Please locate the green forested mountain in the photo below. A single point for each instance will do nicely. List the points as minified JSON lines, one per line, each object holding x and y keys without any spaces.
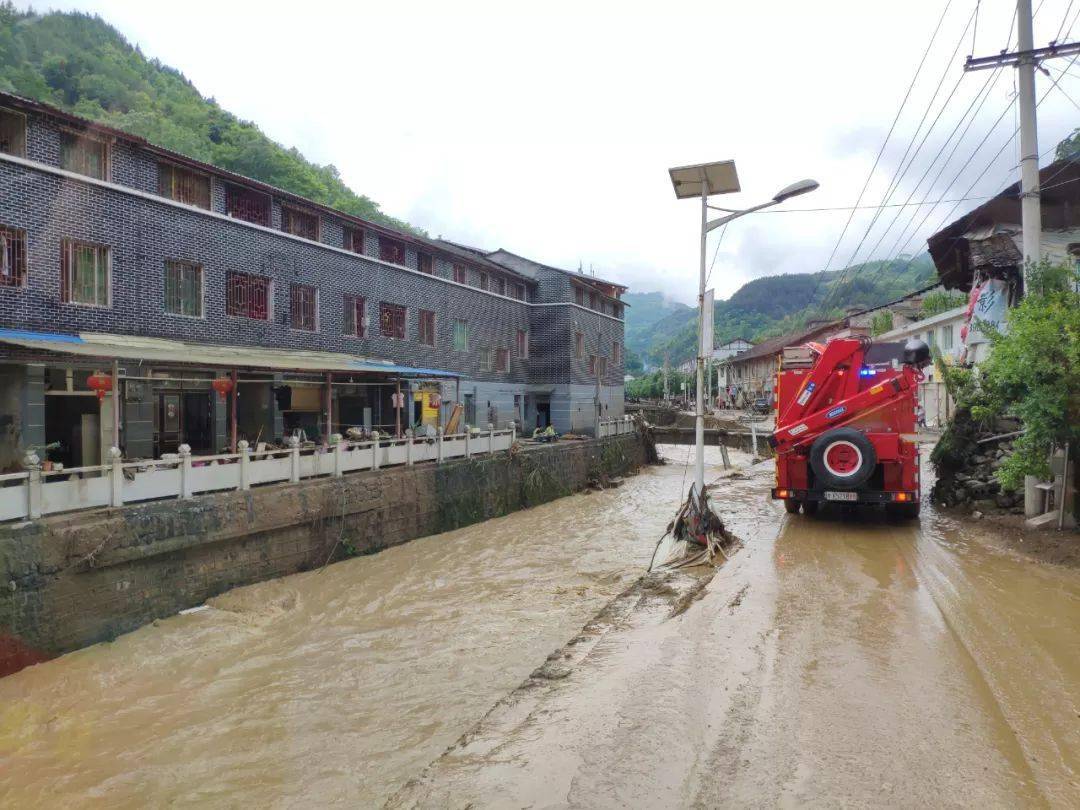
{"x":83,"y":65}
{"x":771,"y":305}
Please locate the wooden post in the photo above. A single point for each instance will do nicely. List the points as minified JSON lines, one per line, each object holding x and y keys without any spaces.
{"x":234,"y":395}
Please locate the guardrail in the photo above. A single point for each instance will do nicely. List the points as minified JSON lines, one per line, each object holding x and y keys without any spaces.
{"x":36,"y":492}
{"x":616,"y":426}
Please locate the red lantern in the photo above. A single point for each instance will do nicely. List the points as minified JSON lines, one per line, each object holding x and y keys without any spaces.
{"x":223,"y":385}
{"x":100,"y":382}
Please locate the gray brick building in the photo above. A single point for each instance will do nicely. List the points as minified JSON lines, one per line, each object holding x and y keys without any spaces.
{"x":165,"y":274}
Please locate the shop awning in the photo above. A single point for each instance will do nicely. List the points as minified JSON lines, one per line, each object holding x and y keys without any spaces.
{"x":162,"y":350}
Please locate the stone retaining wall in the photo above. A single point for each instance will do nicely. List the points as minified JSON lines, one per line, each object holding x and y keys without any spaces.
{"x":73,"y":580}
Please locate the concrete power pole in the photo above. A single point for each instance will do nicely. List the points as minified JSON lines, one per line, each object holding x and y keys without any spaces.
{"x":667,"y":361}
{"x":1030,"y":208}
{"x":1025,"y":58}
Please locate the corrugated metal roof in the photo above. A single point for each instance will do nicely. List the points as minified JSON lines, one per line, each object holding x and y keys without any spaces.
{"x":163,"y":350}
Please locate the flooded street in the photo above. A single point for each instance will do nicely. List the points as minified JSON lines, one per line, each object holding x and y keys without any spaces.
{"x":833,"y":660}
{"x":329,"y":687}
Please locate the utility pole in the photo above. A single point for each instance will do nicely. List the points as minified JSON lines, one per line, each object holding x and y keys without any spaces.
{"x":1026,"y":58}
{"x":699,"y":398}
{"x":667,"y":361}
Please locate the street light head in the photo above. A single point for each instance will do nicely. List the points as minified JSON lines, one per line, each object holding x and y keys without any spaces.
{"x":795,"y":189}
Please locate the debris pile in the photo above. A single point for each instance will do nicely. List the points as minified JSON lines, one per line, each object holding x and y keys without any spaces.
{"x":967,"y":459}
{"x":694,"y":537}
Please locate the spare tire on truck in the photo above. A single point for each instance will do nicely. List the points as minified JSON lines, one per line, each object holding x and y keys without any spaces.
{"x":842,"y":458}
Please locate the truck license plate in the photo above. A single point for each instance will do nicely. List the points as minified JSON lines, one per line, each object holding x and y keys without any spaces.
{"x":841,"y":496}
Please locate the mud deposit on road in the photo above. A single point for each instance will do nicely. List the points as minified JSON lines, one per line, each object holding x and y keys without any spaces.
{"x":332,"y":687}
{"x":836,"y":661}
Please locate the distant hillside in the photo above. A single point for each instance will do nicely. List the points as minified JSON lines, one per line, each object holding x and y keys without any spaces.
{"x":83,"y":65}
{"x":645,"y":312}
{"x":774,"y":305}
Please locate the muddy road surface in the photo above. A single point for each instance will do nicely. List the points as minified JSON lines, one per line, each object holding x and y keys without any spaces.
{"x":834,"y":661}
{"x":325,"y":688}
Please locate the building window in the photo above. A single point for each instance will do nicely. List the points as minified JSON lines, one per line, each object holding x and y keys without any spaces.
{"x":12,"y":257}
{"x":616,"y":353}
{"x":247,"y":296}
{"x":354,"y":240}
{"x":592,"y":365}
{"x":426,"y":263}
{"x":84,"y":273}
{"x":183,"y":185}
{"x":499,"y":285}
{"x":427,"y":327}
{"x":391,"y":250}
{"x":248,"y":205}
{"x":12,"y":133}
{"x":616,"y":310}
{"x":300,"y":223}
{"x":946,"y":338}
{"x":593,"y":301}
{"x":502,"y":360}
{"x":461,"y":336}
{"x":392,"y":321}
{"x":460,"y":274}
{"x":579,"y":345}
{"x":521,"y":344}
{"x":484,"y":281}
{"x":518,"y":291}
{"x":83,"y":155}
{"x":487,"y":359}
{"x":597,"y":366}
{"x":355,"y":316}
{"x":579,"y":296}
{"x":304,"y":307}
{"x":183,"y":288}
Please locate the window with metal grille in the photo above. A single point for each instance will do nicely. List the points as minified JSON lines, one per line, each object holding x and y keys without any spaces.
{"x":304,"y":307}
{"x":355,"y":316}
{"x":354,"y":240}
{"x":427,"y":327}
{"x":247,"y":296}
{"x":392,"y":321}
{"x":12,"y":257}
{"x":83,"y":155}
{"x":579,"y":345}
{"x":84,"y":273}
{"x":183,"y":288}
{"x":484,"y":281}
{"x":183,"y":185}
{"x":426,"y":263}
{"x":391,"y":250}
{"x":461,"y":336}
{"x":248,"y":205}
{"x":502,"y":359}
{"x":522,"y":344}
{"x":461,"y":274}
{"x":300,"y":223}
{"x":13,"y":133}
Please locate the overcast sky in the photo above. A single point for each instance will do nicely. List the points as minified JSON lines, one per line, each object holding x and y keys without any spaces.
{"x":547,"y":128}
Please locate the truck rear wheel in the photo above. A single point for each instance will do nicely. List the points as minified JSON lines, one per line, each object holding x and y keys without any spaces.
{"x":810,"y":507}
{"x":842,"y":458}
{"x":791,"y":505}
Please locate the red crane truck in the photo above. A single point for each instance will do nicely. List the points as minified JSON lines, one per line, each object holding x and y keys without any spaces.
{"x":846,"y":427}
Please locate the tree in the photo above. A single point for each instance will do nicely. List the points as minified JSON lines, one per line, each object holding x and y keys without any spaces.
{"x":881,"y":323}
{"x":940,"y":301}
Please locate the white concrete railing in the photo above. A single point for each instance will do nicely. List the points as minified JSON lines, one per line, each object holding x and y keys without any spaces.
{"x":39,"y":492}
{"x":614,"y":427}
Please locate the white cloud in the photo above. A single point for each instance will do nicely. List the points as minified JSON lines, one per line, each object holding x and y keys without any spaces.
{"x":548,"y":129}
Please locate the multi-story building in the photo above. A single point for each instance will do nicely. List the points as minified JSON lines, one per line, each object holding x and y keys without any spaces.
{"x":214,"y":307}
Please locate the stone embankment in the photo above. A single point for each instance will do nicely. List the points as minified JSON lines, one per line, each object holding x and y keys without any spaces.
{"x":77,"y":579}
{"x":967,"y":460}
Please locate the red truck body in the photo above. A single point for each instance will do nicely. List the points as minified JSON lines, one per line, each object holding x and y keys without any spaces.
{"x":846,"y":425}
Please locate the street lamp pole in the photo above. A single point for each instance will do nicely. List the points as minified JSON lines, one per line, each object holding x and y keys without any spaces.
{"x":704,"y":180}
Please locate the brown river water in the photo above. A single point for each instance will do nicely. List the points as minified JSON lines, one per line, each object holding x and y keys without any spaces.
{"x":834,"y":661}
{"x":333,"y":686}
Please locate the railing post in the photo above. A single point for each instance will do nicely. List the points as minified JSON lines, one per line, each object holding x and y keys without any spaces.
{"x":245,"y":460}
{"x":753,"y":436}
{"x":408,"y":447}
{"x":468,"y":437}
{"x":117,"y":477}
{"x":294,"y":458}
{"x":185,"y":471}
{"x":513,"y":433}
{"x":491,"y":439}
{"x":374,"y":449}
{"x":33,"y":485}
{"x":338,"y":446}
{"x":439,"y":447}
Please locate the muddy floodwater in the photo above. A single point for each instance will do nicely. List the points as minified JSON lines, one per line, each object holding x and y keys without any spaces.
{"x":329,"y":687}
